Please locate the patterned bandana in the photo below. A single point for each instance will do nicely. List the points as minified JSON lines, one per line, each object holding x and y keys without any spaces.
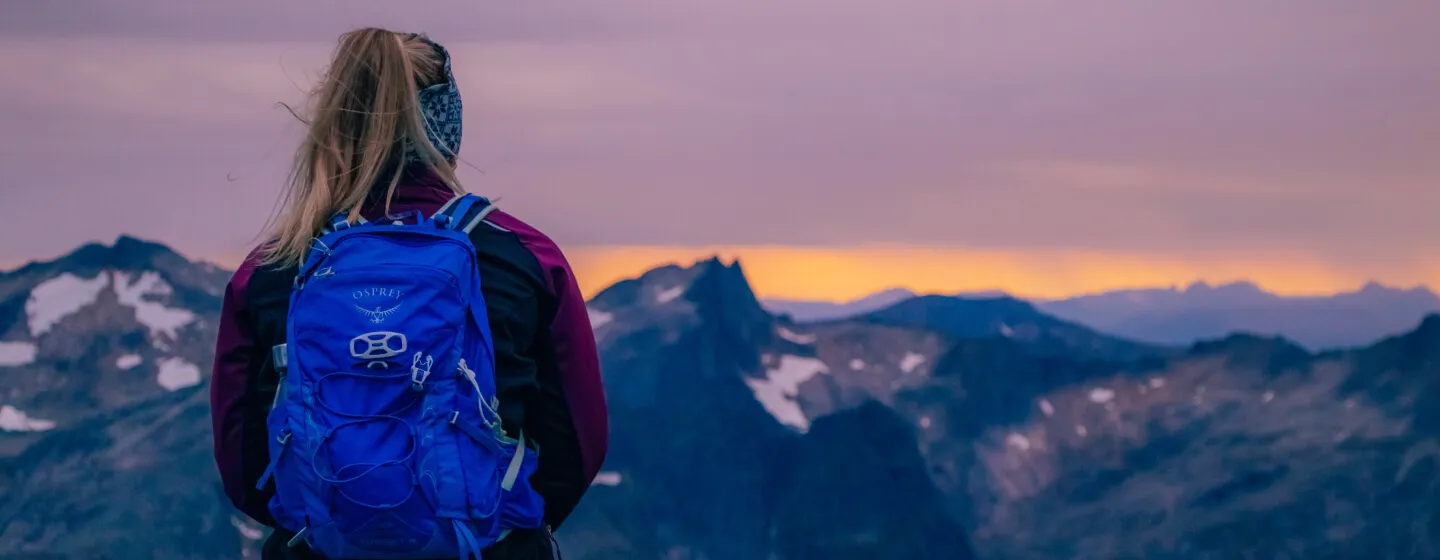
{"x":440,"y":107}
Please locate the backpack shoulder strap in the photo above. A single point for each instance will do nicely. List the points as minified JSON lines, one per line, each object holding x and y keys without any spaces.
{"x":340,"y":221}
{"x":463,"y":213}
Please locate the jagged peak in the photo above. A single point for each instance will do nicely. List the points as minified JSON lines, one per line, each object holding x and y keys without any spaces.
{"x":708,"y":280}
{"x":725,"y":286}
{"x":131,"y":258}
{"x":125,"y":253}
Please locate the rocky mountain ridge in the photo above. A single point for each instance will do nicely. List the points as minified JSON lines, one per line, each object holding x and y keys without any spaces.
{"x":929,"y":429}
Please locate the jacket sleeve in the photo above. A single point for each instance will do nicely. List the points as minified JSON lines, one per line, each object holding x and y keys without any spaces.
{"x":578,"y":364}
{"x":233,"y":403}
{"x":568,"y":417}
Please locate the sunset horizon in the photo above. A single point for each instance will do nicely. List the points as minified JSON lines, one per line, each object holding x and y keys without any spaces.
{"x":840,"y":274}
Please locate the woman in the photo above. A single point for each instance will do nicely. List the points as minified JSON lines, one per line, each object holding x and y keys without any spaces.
{"x":384,"y":132}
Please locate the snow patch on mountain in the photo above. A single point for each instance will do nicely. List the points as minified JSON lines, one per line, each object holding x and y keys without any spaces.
{"x":599,"y":318}
{"x":670,"y":295}
{"x":16,"y":353}
{"x":246,"y":530}
{"x":778,"y":390}
{"x":797,"y":338}
{"x":911,"y":361}
{"x":607,"y":478}
{"x":1101,"y":395}
{"x":128,"y":361}
{"x":60,"y":297}
{"x":156,"y":317}
{"x":1018,"y":441}
{"x":66,"y":294}
{"x":175,"y":374}
{"x":15,"y":420}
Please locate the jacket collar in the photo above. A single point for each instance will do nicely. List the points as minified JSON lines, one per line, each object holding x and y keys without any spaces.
{"x":420,"y":188}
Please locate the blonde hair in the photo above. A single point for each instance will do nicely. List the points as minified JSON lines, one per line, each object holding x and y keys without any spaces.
{"x":362,"y":116}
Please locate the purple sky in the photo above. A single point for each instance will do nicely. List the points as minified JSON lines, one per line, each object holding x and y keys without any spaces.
{"x":1305,"y":128}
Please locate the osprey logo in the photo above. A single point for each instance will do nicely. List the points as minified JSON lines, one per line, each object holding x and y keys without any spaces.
{"x":378,"y":315}
{"x":378,"y":304}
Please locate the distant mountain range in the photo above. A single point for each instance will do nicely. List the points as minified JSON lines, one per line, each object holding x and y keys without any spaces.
{"x":929,"y":428}
{"x":810,"y":311}
{"x":1174,"y":316}
{"x":1201,"y":311}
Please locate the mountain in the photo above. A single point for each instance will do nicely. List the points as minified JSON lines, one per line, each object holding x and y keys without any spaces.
{"x":104,"y":327}
{"x":716,"y":455}
{"x":1201,"y":311}
{"x":104,"y":435}
{"x":1243,"y":447}
{"x":966,"y":317}
{"x":946,"y":428}
{"x":809,"y":310}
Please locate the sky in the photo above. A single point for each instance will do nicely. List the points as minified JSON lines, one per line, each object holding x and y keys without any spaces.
{"x":836,"y":147}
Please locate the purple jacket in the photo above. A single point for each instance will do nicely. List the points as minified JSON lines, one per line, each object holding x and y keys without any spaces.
{"x":547,"y":370}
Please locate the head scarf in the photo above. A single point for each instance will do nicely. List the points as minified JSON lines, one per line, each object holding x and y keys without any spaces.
{"x":441,"y":110}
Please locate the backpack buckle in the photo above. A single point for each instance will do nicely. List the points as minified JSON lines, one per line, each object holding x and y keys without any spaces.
{"x":280,"y":358}
{"x":418,"y":375}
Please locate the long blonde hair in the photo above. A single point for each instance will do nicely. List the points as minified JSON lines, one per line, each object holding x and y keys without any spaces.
{"x":362,"y":116}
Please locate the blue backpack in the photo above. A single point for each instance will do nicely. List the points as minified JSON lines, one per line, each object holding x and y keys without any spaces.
{"x":384,"y":437}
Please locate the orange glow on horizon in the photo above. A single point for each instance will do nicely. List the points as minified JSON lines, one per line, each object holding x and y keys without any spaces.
{"x":843,"y":273}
